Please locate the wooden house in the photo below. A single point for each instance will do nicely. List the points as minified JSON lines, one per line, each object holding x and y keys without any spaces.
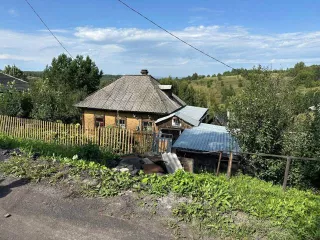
{"x":133,"y":101}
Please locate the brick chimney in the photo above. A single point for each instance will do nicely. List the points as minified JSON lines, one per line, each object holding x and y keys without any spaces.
{"x":144,"y":72}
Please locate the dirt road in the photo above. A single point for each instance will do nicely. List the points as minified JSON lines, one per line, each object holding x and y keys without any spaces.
{"x":44,"y":212}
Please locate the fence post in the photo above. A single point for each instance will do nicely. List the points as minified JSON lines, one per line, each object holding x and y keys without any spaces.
{"x":229,"y":165}
{"x":286,"y":174}
{"x":218,"y":167}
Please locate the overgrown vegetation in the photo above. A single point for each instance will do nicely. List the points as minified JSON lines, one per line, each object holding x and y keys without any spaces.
{"x":271,"y":116}
{"x":87,"y":152}
{"x":241,"y":208}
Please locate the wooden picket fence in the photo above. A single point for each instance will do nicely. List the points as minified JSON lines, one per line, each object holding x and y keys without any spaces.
{"x":116,"y":139}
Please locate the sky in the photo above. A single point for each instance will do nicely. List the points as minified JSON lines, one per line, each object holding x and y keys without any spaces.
{"x":241,"y":33}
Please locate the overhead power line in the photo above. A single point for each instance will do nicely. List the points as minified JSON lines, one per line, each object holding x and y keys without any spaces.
{"x":48,"y":28}
{"x":197,"y":49}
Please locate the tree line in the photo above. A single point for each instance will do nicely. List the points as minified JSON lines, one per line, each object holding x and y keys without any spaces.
{"x":52,"y":95}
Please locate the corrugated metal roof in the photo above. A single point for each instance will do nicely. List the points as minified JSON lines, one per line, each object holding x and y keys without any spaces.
{"x":207,"y":138}
{"x":189,"y":114}
{"x":133,"y":93}
{"x":19,"y":83}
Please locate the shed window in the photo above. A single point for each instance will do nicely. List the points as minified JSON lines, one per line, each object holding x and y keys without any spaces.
{"x":122,"y":123}
{"x":99,"y":121}
{"x":176,"y":122}
{"x":147,"y":125}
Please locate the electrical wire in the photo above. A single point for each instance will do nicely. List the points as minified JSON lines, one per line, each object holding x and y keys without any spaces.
{"x":48,"y":28}
{"x":197,"y":49}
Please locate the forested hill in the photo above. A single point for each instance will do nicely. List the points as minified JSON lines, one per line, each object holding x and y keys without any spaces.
{"x":214,"y":91}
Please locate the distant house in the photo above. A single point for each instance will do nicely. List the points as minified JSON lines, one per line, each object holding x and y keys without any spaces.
{"x":133,"y":101}
{"x":20,"y":84}
{"x":185,"y":118}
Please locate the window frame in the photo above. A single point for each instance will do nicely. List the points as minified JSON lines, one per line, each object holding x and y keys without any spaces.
{"x":150,"y":127}
{"x":176,"y":122}
{"x":122,"y":125}
{"x":101,"y":117}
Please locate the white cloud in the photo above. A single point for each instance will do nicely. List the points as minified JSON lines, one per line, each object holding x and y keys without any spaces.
{"x":55,"y":30}
{"x":13,"y":12}
{"x":14,"y":57}
{"x":208,"y":10}
{"x":118,"y":50}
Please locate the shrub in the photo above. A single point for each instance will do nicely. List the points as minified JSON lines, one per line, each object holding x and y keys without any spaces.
{"x":90,"y":152}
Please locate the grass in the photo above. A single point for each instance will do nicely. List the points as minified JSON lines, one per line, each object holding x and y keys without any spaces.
{"x":240,"y":208}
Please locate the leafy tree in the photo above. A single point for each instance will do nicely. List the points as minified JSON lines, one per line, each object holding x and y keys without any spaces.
{"x":13,"y":102}
{"x":298,"y":68}
{"x":52,"y":104}
{"x":305,"y":78}
{"x":226,"y":93}
{"x":10,"y":100}
{"x":219,"y":77}
{"x":240,"y":84}
{"x":262,"y":113}
{"x":194,"y":76}
{"x":14,"y":71}
{"x":209,"y":83}
{"x":267,"y":117}
{"x":80,"y":73}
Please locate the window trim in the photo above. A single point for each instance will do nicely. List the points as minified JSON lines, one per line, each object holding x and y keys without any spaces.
{"x":173,"y":122}
{"x":147,"y":121}
{"x":124,"y":126}
{"x":99,"y":116}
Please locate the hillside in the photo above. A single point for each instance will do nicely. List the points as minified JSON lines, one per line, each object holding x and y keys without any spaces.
{"x":215,"y":86}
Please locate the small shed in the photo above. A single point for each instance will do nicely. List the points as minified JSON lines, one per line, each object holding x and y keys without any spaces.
{"x":184,"y":118}
{"x":205,"y":143}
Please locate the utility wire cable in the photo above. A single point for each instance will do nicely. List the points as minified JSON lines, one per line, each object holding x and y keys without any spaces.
{"x":48,"y":28}
{"x":197,"y":49}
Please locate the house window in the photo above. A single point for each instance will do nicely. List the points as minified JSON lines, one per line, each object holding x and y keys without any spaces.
{"x":176,"y":122}
{"x":99,"y":121}
{"x":122,"y":123}
{"x":147,"y":125}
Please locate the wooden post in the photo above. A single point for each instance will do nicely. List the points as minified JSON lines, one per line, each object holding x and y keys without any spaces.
{"x":229,"y":166}
{"x":219,"y":161}
{"x":286,"y":174}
